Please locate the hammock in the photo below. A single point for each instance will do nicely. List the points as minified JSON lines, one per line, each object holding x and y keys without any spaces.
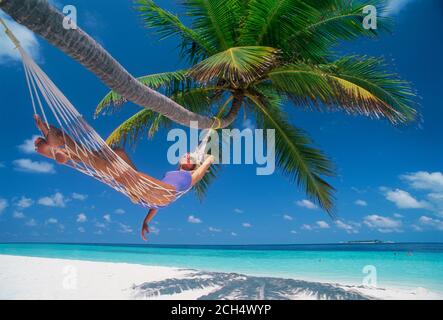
{"x":86,"y":146}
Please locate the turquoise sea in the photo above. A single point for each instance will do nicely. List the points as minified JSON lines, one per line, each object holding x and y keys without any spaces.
{"x":406,"y":265}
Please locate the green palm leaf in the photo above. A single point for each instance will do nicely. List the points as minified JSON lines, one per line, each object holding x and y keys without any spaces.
{"x":130,"y":131}
{"x":148,"y":122}
{"x":295,"y":156}
{"x":335,"y":20}
{"x":167,"y":25}
{"x":201,"y":188}
{"x":271,"y":22}
{"x":238,"y":65}
{"x":169,"y":81}
{"x":217,"y":21}
{"x":354,"y":84}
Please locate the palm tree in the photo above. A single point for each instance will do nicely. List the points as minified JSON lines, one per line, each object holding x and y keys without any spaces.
{"x":258,"y":54}
{"x":250,"y":54}
{"x":40,"y":17}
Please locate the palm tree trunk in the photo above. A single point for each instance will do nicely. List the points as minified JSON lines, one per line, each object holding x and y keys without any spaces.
{"x":45,"y":20}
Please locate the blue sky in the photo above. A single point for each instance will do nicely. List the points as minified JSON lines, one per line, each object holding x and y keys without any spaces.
{"x":390,"y":180}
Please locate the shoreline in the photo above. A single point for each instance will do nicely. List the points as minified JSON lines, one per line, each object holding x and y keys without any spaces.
{"x":23,"y":277}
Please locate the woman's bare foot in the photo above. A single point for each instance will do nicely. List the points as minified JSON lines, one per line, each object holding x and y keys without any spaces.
{"x":44,"y":128}
{"x":61,"y":157}
{"x":43,"y":148}
{"x":145,"y":231}
{"x":54,"y":136}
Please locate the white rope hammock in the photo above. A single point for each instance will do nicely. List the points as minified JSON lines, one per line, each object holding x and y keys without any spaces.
{"x":85,"y":148}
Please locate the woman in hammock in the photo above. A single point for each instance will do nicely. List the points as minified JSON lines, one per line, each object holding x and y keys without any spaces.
{"x":58,"y":145}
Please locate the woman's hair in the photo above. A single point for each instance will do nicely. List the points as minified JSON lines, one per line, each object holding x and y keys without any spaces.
{"x":188,"y":162}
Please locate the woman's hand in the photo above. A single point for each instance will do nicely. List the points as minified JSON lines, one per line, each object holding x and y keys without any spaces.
{"x":145,"y":230}
{"x":210,"y":158}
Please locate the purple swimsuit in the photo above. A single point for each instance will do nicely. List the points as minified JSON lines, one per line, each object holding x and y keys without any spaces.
{"x":181,"y":180}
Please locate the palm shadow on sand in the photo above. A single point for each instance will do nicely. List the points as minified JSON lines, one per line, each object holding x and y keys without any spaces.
{"x":241,"y":287}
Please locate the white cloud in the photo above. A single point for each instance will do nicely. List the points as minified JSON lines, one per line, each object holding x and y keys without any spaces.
{"x":107,"y":218}
{"x":431,"y":222}
{"x":396,"y":6}
{"x":79,"y":196}
{"x":323,"y":224}
{"x":27,"y":39}
{"x":28,"y":146}
{"x":349,"y":227}
{"x":193,"y":219}
{"x":382,"y":224}
{"x":100,"y":225}
{"x":416,"y":228}
{"x":81,"y":229}
{"x":51,"y":221}
{"x":154,"y":230}
{"x":435,"y":197}
{"x":31,"y":223}
{"x":424,"y":180}
{"x":57,"y":200}
{"x":212,"y":229}
{"x":2,"y":165}
{"x":18,"y":215}
{"x":237,"y":210}
{"x":307,"y":204}
{"x":306,"y":227}
{"x":82,"y":218}
{"x":246,"y":225}
{"x":288,"y":217}
{"x":293,"y":232}
{"x":3,"y":205}
{"x":119,"y":211}
{"x":98,"y":232}
{"x":398,"y":215}
{"x":404,"y":200}
{"x":361,"y":203}
{"x":24,"y":202}
{"x":27,"y":165}
{"x":233,"y":234}
{"x":125,"y":228}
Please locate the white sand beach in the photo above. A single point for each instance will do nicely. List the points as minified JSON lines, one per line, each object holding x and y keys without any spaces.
{"x":43,"y":278}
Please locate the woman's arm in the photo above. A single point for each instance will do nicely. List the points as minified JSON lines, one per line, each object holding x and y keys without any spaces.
{"x":198,"y":174}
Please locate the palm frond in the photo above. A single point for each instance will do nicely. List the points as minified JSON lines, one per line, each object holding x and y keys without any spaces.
{"x":144,"y":122}
{"x":217,"y":21}
{"x":238,"y":65}
{"x":201,"y":188}
{"x":170,"y":81}
{"x":271,"y":22}
{"x":334,"y":21}
{"x":167,"y":25}
{"x":357,"y":85}
{"x":199,"y":99}
{"x":295,"y":156}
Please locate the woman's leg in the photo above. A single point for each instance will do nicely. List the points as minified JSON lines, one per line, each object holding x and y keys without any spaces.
{"x":145,"y":228}
{"x":61,"y":147}
{"x":122,"y":154}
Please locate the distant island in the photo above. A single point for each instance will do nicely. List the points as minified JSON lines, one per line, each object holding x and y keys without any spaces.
{"x":366,"y":242}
